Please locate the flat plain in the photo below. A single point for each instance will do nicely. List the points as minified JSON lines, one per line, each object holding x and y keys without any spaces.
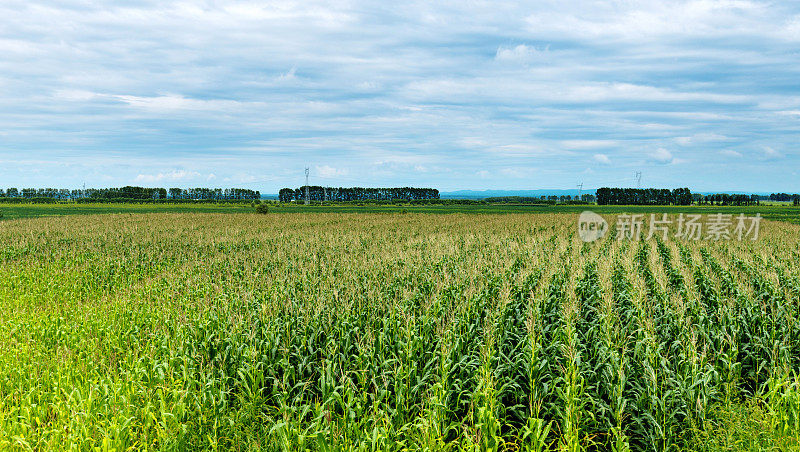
{"x":783,"y":212}
{"x":392,"y":331}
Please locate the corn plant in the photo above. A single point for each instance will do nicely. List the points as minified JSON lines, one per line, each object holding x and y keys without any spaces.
{"x":371,"y":332}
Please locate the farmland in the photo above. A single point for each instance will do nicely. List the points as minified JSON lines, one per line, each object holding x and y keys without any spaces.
{"x":782,"y":212}
{"x":389,"y":331}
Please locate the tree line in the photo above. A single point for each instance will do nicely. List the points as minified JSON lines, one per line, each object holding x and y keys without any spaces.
{"x":132,"y":193}
{"x":795,"y":198}
{"x":543,"y":199}
{"x":213,"y":193}
{"x":643,"y":196}
{"x":319,"y":193}
{"x":683,"y":197}
{"x":724,"y":199}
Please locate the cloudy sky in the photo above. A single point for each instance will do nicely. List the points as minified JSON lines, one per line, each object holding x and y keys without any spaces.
{"x":452,"y":95}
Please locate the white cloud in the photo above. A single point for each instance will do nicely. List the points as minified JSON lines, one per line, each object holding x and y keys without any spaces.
{"x":75,"y":95}
{"x":771,"y":154}
{"x":790,"y":30}
{"x":514,"y":89}
{"x":602,"y":158}
{"x":519,"y":54}
{"x":662,"y":155}
{"x":587,"y":144}
{"x":289,"y":76}
{"x":242,"y":90}
{"x":172,"y":176}
{"x":329,"y":171}
{"x":518,"y":149}
{"x":516,"y":173}
{"x":701,"y":138}
{"x":176,"y":102}
{"x":730,"y":153}
{"x":650,"y":20}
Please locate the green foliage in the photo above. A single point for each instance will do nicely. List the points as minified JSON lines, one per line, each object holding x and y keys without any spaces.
{"x":318,"y":193}
{"x":643,"y":196}
{"x":747,"y":426}
{"x":262,"y":208}
{"x":125,"y":194}
{"x":436,"y":206}
{"x":391,"y":332}
{"x":520,"y":200}
{"x":35,"y":200}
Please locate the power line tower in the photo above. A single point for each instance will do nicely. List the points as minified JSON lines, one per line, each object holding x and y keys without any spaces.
{"x":638,"y":179}
{"x":580,"y":189}
{"x":306,"y":185}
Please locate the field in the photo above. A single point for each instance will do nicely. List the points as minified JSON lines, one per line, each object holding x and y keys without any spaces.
{"x":392,"y":331}
{"x":16,"y":211}
{"x":782,"y":212}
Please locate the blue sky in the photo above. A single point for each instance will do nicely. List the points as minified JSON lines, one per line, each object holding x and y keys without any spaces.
{"x":452,"y":95}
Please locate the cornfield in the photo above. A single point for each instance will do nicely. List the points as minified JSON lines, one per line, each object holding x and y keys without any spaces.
{"x":387,"y":332}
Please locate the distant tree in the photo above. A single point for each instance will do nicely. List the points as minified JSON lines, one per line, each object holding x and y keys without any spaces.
{"x":783,"y":197}
{"x":643,"y":196}
{"x":319,"y":193}
{"x":286,"y":195}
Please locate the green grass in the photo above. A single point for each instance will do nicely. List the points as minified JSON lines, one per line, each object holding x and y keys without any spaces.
{"x":14,"y":211}
{"x":11,"y":211}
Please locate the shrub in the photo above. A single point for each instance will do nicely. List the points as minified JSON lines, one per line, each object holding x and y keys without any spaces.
{"x":262,"y":208}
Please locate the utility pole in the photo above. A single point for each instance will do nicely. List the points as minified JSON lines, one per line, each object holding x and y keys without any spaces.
{"x":306,"y":185}
{"x":325,"y":195}
{"x":580,"y":188}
